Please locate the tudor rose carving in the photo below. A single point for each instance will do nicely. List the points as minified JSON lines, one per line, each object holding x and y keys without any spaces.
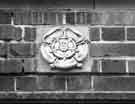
{"x":64,"y":47}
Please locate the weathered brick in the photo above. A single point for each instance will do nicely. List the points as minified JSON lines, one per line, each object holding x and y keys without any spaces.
{"x":113,"y":66}
{"x":79,"y":82}
{"x":30,"y":65}
{"x":94,"y":34}
{"x":3,"y":49}
{"x":59,"y":18}
{"x":30,"y":34}
{"x":22,"y":50}
{"x":114,"y":83}
{"x":51,"y":82}
{"x":81,"y":17}
{"x":8,"y":32}
{"x":102,"y":50}
{"x":7,"y":83}
{"x":113,"y":34}
{"x":131,"y":66}
{"x":5,"y":16}
{"x":70,"y":18}
{"x":95,"y":68}
{"x":130,"y":33}
{"x":10,"y":66}
{"x":26,"y":83}
{"x":22,"y":17}
{"x":51,"y":18}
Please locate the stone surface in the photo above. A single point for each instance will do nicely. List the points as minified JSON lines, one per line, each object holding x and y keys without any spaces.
{"x":114,"y":83}
{"x":113,"y":34}
{"x":78,"y":82}
{"x":113,"y":66}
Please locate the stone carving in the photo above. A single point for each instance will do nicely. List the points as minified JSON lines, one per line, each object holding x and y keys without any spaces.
{"x":64,"y":47}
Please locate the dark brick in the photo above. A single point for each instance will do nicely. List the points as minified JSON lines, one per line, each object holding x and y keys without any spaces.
{"x":8,"y":32}
{"x":94,"y":34}
{"x":22,"y":17}
{"x":30,"y":65}
{"x":81,"y":17}
{"x":7,"y":83}
{"x":51,"y":18}
{"x":79,"y":82}
{"x":113,"y":66}
{"x":3,"y":49}
{"x":95,"y":66}
{"x":114,"y":83}
{"x":107,"y":50}
{"x":22,"y":50}
{"x":51,"y":82}
{"x":113,"y":34}
{"x":30,"y":34}
{"x":131,"y":66}
{"x":70,"y":18}
{"x":130,"y":33}
{"x":5,"y":17}
{"x":26,"y":84}
{"x":10,"y":66}
{"x":95,"y":18}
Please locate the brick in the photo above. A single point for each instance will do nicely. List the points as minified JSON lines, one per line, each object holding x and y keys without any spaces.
{"x":116,"y":18}
{"x":113,"y":66}
{"x":30,"y":34}
{"x":59,"y":18}
{"x":94,"y":34}
{"x":130,"y":33}
{"x":21,"y":50}
{"x":8,"y":33}
{"x":22,"y":17}
{"x":26,"y":83}
{"x":81,"y":17}
{"x":70,"y":18}
{"x":3,"y":49}
{"x":95,"y":68}
{"x":114,"y":83}
{"x":51,"y":83}
{"x":10,"y":66}
{"x":51,"y":18}
{"x":131,"y":66}
{"x":30,"y":65}
{"x":79,"y":82}
{"x":113,"y":34}
{"x":7,"y":83}
{"x":5,"y":17}
{"x":107,"y":50}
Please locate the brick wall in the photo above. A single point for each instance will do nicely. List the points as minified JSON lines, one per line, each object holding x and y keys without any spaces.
{"x":111,"y":62}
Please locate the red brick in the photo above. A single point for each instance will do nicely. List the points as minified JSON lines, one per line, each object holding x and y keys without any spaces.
{"x":131,"y":34}
{"x":95,"y":68}
{"x":8,"y":32}
{"x":114,"y":83}
{"x":94,"y":34}
{"x":6,"y":83}
{"x":113,"y":66}
{"x":30,"y":65}
{"x":131,"y":66}
{"x":3,"y":49}
{"x":79,"y":82}
{"x":70,"y":18}
{"x":104,"y":50}
{"x":21,"y":50}
{"x":26,"y":83}
{"x":51,"y":82}
{"x":5,"y":16}
{"x":113,"y":34}
{"x":30,"y":34}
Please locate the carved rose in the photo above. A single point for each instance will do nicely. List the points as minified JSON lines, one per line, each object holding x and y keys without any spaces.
{"x":64,"y":48}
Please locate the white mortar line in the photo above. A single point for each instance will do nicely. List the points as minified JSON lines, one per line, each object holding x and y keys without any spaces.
{"x":125,"y":29}
{"x":100,"y":66}
{"x":112,"y":42}
{"x":66,"y":87}
{"x":127,"y":70}
{"x":114,"y":58}
{"x":64,"y":19}
{"x":92,"y":83}
{"x":15,"y":84}
{"x":100,"y":34}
